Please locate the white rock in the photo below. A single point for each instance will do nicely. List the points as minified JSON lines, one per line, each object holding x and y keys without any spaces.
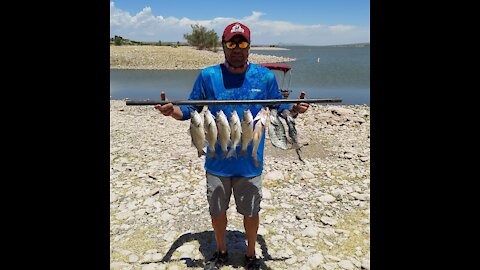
{"x":327,"y":198}
{"x":119,"y":265}
{"x":133,"y":258}
{"x":187,"y":248}
{"x":274,"y":176}
{"x":328,"y":220}
{"x":365,"y":264}
{"x":266,"y":194}
{"x":315,"y":260}
{"x":170,"y":236}
{"x":332,"y":258}
{"x":310,"y":231}
{"x":306,"y":175}
{"x":328,"y":266}
{"x":346,"y":264}
{"x":149,"y":201}
{"x":291,"y":260}
{"x":157,"y":257}
{"x":262,"y":231}
{"x":113,"y":197}
{"x":150,"y":266}
{"x":124,"y":214}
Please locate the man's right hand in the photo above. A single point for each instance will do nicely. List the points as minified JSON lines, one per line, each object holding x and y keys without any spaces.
{"x":166,"y":109}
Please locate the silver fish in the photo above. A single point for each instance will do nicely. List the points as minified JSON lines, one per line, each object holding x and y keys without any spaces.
{"x":235,"y":134}
{"x":276,"y":131}
{"x":292,"y":132}
{"x":211,"y":132}
{"x":247,"y":131}
{"x":261,"y":118}
{"x":197,"y":132}
{"x":223,"y":132}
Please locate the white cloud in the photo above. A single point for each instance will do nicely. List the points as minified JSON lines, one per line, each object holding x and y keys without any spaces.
{"x":145,"y":26}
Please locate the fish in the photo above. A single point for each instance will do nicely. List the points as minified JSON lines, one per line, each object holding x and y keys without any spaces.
{"x":235,"y":134}
{"x":211,"y":132}
{"x":247,"y":131}
{"x":258,"y":131}
{"x":292,"y":132}
{"x":223,"y":128}
{"x":276,"y":130}
{"x":197,"y":132}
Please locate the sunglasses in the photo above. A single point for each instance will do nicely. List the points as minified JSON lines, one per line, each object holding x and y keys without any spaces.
{"x":232,"y":45}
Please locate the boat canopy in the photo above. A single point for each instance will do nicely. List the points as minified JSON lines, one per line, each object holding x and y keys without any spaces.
{"x":275,"y":66}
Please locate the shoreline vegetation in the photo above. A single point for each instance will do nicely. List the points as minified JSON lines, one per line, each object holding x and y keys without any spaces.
{"x":179,"y":58}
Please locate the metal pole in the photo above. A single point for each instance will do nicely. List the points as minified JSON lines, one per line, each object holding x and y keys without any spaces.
{"x":232,"y":102}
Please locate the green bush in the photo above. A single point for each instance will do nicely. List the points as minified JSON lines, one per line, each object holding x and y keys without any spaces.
{"x":118,"y":40}
{"x":202,"y":39}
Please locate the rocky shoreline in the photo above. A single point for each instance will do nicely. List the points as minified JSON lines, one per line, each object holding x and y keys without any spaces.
{"x":315,"y":215}
{"x":177,"y":58}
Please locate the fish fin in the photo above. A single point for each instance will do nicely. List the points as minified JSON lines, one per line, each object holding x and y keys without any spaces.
{"x":257,"y":164}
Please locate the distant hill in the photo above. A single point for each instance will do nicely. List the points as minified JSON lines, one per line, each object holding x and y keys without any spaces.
{"x":366,"y":44}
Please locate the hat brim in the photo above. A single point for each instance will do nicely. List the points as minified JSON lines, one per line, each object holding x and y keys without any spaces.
{"x":231,"y":35}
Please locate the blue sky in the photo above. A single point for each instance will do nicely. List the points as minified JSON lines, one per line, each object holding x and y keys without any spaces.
{"x":314,"y":22}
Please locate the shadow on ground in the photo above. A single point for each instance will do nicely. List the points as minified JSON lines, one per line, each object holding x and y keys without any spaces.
{"x":235,"y":244}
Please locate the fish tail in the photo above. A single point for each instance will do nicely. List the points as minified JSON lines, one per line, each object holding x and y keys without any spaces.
{"x":296,"y":146}
{"x":256,"y":162}
{"x":231,"y":153}
{"x":201,"y":153}
{"x":299,"y":157}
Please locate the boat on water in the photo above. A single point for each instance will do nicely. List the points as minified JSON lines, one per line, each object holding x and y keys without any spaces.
{"x":286,"y":69}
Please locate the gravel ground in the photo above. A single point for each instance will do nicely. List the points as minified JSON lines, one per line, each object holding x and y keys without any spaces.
{"x":171,"y":58}
{"x":315,"y":215}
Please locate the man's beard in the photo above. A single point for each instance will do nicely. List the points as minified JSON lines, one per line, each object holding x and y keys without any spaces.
{"x":237,"y":61}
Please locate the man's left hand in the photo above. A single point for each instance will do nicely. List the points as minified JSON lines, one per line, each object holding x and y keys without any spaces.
{"x":301,"y":107}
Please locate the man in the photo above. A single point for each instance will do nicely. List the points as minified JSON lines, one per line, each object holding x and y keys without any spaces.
{"x":235,"y":79}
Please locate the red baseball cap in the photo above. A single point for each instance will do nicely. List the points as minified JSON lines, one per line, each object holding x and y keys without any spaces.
{"x":234,"y":29}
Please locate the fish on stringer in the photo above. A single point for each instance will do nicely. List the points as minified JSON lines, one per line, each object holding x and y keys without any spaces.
{"x":292,"y":132}
{"x":276,"y":130}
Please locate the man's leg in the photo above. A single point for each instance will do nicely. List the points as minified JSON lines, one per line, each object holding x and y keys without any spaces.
{"x":219,"y":191}
{"x":248,"y":195}
{"x":219,"y":225}
{"x":251,"y":229}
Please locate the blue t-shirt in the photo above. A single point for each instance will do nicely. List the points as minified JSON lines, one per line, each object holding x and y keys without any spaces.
{"x":259,"y":83}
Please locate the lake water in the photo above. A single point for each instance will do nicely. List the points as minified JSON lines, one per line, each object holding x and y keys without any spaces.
{"x":321,"y":72}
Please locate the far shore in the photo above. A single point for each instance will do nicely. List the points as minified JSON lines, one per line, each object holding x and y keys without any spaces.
{"x":252,"y":48}
{"x":178,"y":58}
